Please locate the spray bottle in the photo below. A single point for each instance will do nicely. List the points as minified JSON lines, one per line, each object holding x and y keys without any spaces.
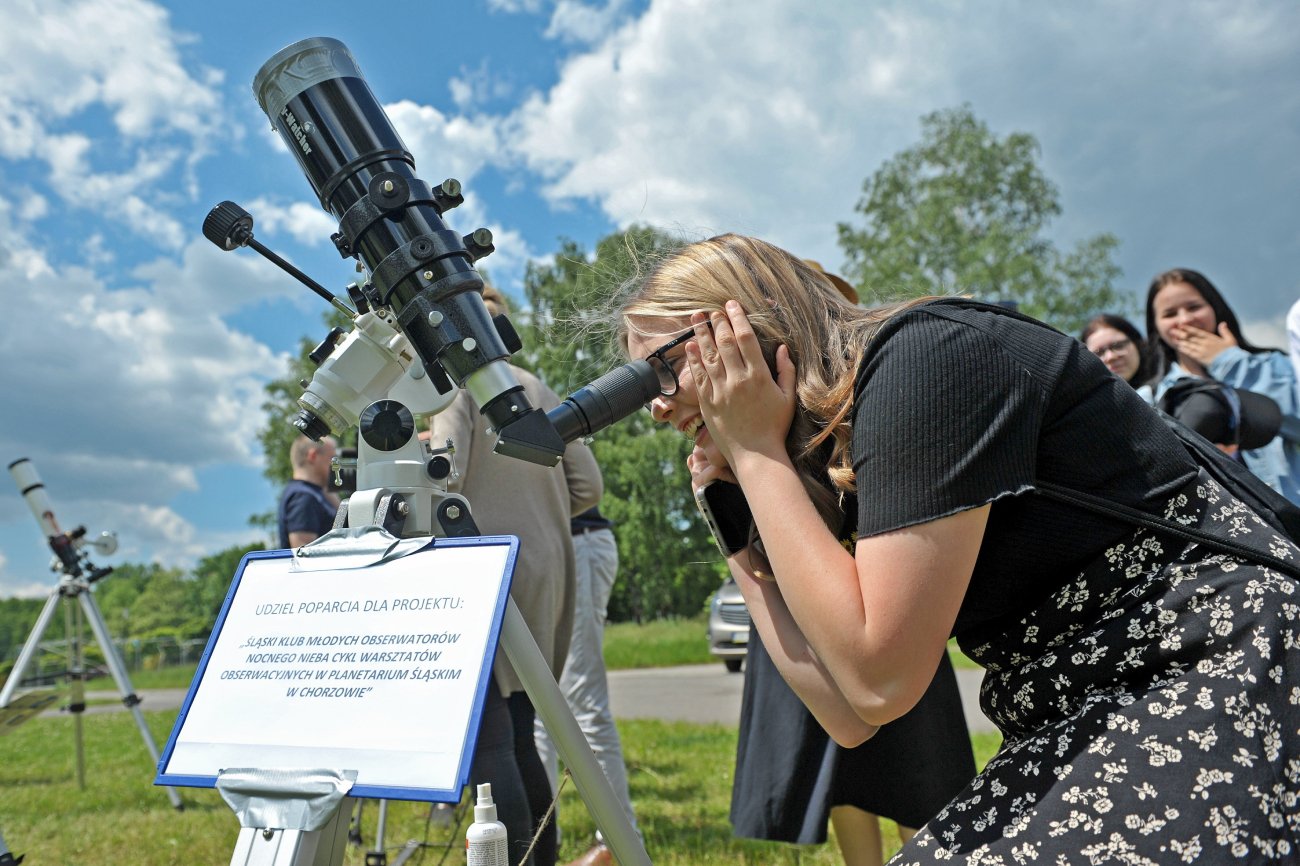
{"x":486,"y":839}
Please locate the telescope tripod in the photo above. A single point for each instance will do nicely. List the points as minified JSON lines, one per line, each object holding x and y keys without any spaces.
{"x":74,"y":591}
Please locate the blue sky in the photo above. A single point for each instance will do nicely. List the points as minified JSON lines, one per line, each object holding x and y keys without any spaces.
{"x":133,"y":352}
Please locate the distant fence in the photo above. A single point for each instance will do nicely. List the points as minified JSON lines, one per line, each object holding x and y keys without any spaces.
{"x":142,"y":654}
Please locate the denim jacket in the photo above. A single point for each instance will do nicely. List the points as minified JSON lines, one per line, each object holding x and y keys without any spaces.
{"x":1270,"y":374}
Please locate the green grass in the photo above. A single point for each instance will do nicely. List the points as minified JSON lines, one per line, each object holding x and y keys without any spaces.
{"x":658,"y":644}
{"x":680,"y":776}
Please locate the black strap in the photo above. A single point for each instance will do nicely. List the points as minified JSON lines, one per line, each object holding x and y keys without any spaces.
{"x":1128,"y":514}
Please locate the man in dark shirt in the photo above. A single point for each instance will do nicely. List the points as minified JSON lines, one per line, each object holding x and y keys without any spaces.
{"x":307,"y":508}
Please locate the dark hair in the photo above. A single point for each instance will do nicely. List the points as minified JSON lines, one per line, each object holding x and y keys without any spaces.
{"x":1128,"y":329}
{"x":1161,"y":352}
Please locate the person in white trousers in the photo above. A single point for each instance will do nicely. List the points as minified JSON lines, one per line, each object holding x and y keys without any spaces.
{"x":583,"y":681}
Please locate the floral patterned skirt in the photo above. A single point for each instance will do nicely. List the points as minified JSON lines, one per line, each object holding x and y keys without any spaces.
{"x":1150,"y":711}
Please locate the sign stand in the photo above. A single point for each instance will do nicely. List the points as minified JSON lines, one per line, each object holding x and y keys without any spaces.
{"x":287,"y":817}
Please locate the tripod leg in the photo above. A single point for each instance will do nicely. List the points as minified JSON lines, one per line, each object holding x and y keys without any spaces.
{"x":29,"y":649}
{"x":6,"y":856}
{"x":589,"y":778}
{"x":354,"y":828}
{"x":77,"y":684}
{"x":129,"y":698}
{"x":377,"y":856}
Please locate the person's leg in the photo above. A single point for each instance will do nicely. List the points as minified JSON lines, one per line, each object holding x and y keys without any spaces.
{"x":494,"y":762}
{"x":858,"y":835}
{"x":584,"y":681}
{"x":535,"y":782}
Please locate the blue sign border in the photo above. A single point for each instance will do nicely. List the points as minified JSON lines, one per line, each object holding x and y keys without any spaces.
{"x":433,"y":795}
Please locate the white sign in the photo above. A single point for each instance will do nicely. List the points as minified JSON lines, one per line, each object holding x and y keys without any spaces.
{"x":381,"y":669}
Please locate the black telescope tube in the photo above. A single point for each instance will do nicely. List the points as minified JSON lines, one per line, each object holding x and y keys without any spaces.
{"x":607,"y":400}
{"x":316,"y":98}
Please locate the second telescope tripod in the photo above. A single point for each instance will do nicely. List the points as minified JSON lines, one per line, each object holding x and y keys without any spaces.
{"x":76,"y":576}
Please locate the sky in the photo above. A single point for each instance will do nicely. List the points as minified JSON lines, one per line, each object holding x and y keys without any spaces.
{"x":133,"y":352}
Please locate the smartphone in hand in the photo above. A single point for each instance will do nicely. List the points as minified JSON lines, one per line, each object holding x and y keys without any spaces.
{"x":726,"y":513}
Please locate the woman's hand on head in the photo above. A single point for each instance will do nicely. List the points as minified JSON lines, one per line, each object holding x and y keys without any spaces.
{"x":744,"y":408}
{"x":1200,"y":345}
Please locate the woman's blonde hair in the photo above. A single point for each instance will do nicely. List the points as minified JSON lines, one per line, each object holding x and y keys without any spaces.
{"x":787,"y":302}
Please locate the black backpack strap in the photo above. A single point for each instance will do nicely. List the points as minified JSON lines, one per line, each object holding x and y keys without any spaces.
{"x":1128,"y":514}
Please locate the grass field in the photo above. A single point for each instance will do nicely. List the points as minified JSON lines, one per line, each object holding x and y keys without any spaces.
{"x":680,"y":776}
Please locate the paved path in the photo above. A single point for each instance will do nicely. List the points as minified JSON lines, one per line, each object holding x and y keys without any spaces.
{"x":693,"y":693}
{"x":708,"y":693}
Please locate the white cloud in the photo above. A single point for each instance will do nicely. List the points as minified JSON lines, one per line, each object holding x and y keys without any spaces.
{"x":158,"y":534}
{"x":63,"y":59}
{"x":149,"y":374}
{"x":515,"y":6}
{"x":305,"y":222}
{"x":473,"y":87}
{"x":765,"y":116}
{"x":753,"y":117}
{"x":445,"y":146}
{"x":574,"y":21}
{"x":506,"y":263}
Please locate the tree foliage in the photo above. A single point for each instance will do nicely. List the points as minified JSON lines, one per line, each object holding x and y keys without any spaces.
{"x":138,"y":602}
{"x":667,"y":564}
{"x":281,"y":405}
{"x":964,"y":211}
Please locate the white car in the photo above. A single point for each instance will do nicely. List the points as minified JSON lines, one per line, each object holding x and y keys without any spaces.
{"x":729,"y":625}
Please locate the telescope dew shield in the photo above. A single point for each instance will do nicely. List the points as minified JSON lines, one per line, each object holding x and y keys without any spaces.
{"x":316,"y":98}
{"x":33,"y":491}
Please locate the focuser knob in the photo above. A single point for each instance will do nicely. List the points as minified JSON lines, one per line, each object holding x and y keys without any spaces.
{"x":228,"y":226}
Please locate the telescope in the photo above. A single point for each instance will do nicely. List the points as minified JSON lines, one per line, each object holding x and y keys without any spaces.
{"x":420,"y":312}
{"x":391,"y":221}
{"x":68,"y":547}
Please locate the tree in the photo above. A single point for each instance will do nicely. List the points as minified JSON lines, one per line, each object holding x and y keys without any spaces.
{"x":213,"y":575}
{"x":965,"y":211}
{"x":281,"y":405}
{"x":667,"y":564}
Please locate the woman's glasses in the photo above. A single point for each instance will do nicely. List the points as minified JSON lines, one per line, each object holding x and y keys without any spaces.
{"x":663,"y":368}
{"x":1116,"y":347}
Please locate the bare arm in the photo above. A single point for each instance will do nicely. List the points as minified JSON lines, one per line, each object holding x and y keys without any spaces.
{"x":877,"y":619}
{"x":298,"y":539}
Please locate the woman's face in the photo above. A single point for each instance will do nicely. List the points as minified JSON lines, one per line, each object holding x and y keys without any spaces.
{"x":1179,"y":306}
{"x":682,"y":409}
{"x":1120,"y":354}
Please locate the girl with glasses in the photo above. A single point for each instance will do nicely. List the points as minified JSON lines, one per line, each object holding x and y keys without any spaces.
{"x":1144,"y":686}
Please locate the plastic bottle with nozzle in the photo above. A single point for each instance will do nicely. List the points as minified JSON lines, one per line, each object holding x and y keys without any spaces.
{"x":486,"y":841}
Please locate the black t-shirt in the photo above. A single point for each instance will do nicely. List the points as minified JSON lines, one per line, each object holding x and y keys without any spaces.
{"x":304,"y":508}
{"x":959,"y":404}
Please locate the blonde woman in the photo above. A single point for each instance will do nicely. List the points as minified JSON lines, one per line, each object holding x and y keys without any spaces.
{"x":1142,"y":683}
